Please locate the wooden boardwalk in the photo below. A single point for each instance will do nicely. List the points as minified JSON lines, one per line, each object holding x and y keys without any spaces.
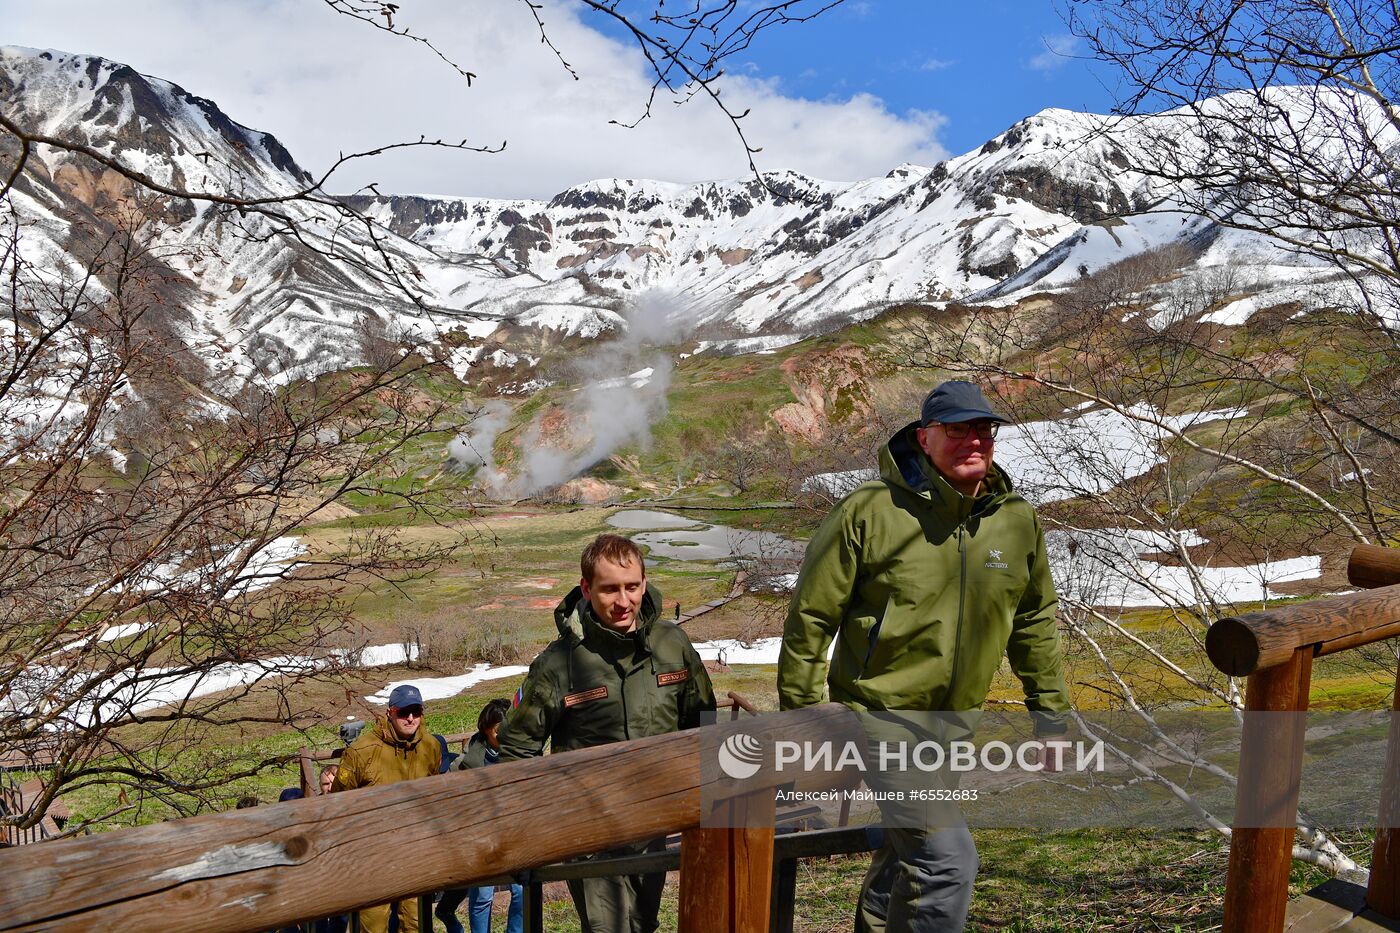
{"x":1335,"y":905}
{"x":16,"y":798}
{"x":735,"y":591}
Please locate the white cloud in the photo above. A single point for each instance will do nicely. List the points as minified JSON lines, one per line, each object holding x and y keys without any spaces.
{"x":1058,"y":51}
{"x":936,"y":64}
{"x":325,"y":84}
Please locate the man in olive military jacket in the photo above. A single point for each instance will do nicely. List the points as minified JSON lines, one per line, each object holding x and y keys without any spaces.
{"x":617,"y":671}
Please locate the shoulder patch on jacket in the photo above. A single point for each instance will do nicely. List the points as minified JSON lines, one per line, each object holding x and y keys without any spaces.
{"x":672,"y":677}
{"x":587,"y":696}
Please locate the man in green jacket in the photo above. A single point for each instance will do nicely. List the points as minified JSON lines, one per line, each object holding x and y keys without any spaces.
{"x":925,"y":578}
{"x":617,"y":671}
{"x":396,"y":748}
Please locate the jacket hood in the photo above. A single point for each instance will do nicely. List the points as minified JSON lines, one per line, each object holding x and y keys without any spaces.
{"x":904,"y":464}
{"x":575,"y":621}
{"x":386,"y":734}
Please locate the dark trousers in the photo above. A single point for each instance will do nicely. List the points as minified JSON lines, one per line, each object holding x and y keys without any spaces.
{"x":920,"y":880}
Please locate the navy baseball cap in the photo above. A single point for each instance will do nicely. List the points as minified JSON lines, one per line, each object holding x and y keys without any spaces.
{"x":405,"y":695}
{"x":956,"y":401}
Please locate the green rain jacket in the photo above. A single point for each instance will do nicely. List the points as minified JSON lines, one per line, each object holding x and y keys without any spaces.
{"x":924,"y":590}
{"x":593,"y":686}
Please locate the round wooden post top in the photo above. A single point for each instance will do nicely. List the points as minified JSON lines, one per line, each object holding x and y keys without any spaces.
{"x":1241,"y":645}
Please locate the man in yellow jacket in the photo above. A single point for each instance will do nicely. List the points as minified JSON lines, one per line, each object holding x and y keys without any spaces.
{"x":396,"y":748}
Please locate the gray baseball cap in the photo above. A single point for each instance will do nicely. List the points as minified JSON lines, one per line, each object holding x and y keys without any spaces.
{"x":955,"y":401}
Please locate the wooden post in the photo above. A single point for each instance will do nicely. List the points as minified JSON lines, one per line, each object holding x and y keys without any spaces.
{"x":1372,"y":566}
{"x":727,"y":873}
{"x":1266,"y":807}
{"x":1383,"y":892}
{"x":310,"y":787}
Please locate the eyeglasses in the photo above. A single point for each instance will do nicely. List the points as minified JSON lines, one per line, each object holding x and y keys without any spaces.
{"x":959,"y":430}
{"x":408,"y":712}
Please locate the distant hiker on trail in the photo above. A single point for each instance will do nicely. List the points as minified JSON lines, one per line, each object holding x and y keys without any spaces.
{"x":925,"y":578}
{"x":481,"y":750}
{"x":617,"y":671}
{"x":396,"y":748}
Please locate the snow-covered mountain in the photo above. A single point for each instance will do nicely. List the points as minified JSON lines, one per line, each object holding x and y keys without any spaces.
{"x":244,"y":297}
{"x":1034,"y":208}
{"x":787,"y":253}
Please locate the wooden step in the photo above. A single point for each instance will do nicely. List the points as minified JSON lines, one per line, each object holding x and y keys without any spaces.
{"x":1335,"y":905}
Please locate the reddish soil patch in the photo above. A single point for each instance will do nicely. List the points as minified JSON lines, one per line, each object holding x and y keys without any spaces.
{"x":539,"y":583}
{"x":543,"y":602}
{"x":586,"y":489}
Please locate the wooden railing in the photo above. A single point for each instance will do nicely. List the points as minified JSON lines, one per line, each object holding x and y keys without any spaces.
{"x":1275,"y":650}
{"x":307,"y":757}
{"x":261,"y":868}
{"x":12,"y":802}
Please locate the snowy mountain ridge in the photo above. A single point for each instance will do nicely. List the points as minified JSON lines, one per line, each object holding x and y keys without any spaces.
{"x":1034,"y":208}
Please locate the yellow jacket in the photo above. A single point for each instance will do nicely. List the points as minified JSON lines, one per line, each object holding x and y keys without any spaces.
{"x":379,"y":756}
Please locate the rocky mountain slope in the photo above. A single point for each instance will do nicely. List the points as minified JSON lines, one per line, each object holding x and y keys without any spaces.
{"x":784,"y":255}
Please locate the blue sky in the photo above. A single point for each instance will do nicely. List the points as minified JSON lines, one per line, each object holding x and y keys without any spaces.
{"x":983,"y":64}
{"x":870,"y":84}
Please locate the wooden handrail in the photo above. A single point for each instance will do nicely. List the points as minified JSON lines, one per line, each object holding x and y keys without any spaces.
{"x":249,"y":870}
{"x":1372,"y":567}
{"x":307,"y":757}
{"x":1242,"y":645}
{"x":1275,"y":648}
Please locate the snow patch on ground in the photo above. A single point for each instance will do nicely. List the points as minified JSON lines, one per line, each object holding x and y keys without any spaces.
{"x":731,"y":651}
{"x":137,"y":691}
{"x":573,"y":320}
{"x":634,"y":380}
{"x":1105,"y":567}
{"x":838,"y":484}
{"x":750,"y":344}
{"x":439,"y":688}
{"x":269,"y":564}
{"x":1090,"y":453}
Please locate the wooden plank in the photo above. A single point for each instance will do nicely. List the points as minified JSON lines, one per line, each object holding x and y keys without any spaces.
{"x":1326,"y":907}
{"x":727,"y":873}
{"x":1271,"y":759}
{"x":753,"y":866}
{"x":1241,"y":645}
{"x":1369,"y":921}
{"x":1383,"y":892}
{"x":704,"y":895}
{"x":251,"y":870}
{"x":1373,"y":567}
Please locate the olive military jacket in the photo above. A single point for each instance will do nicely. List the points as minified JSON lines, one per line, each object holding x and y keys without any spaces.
{"x":924,"y":590}
{"x":593,"y":686}
{"x":379,"y":756}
